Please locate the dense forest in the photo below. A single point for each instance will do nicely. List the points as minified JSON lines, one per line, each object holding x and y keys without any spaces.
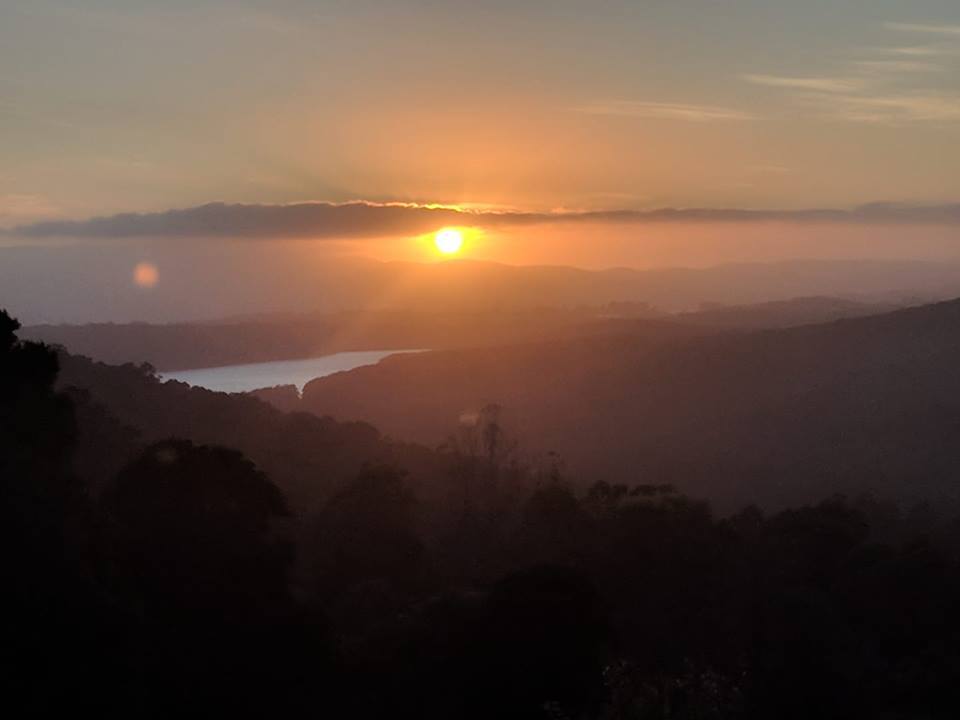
{"x":168,"y":548}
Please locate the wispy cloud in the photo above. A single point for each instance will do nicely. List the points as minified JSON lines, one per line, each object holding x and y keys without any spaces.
{"x":663,"y":111}
{"x":897,"y":109}
{"x":892,"y":87}
{"x":897,"y":66}
{"x":320,"y":221}
{"x":920,"y":50}
{"x":817,"y":84}
{"x":953,"y":30}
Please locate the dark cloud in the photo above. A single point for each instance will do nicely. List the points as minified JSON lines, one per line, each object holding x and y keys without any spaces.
{"x":361,"y":219}
{"x":321,"y":220}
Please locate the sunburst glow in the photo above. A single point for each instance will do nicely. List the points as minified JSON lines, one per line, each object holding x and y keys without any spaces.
{"x":448,"y":241}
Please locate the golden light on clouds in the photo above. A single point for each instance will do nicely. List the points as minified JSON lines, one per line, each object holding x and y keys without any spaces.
{"x":145,"y":275}
{"x":448,"y":241}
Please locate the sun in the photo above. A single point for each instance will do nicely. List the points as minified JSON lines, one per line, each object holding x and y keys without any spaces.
{"x":448,"y":241}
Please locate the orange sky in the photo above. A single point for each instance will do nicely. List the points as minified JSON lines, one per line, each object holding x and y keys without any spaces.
{"x":603,"y":245}
{"x":537,"y":104}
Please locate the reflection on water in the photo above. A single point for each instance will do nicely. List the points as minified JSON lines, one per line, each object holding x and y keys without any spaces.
{"x":243,"y":378}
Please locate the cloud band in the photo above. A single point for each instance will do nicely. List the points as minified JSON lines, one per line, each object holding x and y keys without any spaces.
{"x":362,"y":219}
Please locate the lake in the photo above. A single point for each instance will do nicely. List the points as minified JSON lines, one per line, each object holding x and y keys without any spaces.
{"x":253,"y":376}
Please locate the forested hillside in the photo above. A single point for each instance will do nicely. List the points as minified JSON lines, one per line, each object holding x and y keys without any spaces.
{"x":779,"y":416}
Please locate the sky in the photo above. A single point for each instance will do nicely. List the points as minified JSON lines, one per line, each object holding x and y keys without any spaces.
{"x":134,"y":105}
{"x":526,"y":106}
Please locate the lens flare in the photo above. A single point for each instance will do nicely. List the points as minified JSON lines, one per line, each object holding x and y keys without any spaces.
{"x":146,"y":275}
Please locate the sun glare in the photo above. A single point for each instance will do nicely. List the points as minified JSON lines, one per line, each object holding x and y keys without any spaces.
{"x":448,"y":241}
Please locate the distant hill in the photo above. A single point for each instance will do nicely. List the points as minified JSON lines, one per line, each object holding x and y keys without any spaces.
{"x":75,"y":284}
{"x":180,"y":346}
{"x":474,"y":285}
{"x":195,"y":345}
{"x":778,"y":416}
{"x":784,"y":313}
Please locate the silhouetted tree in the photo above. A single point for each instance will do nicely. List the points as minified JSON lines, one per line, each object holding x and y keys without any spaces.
{"x":365,"y":549}
{"x":554,"y":527}
{"x":194,"y":530}
{"x":50,"y":608}
{"x":195,"y":549}
{"x":541,"y":646}
{"x":485,"y":458}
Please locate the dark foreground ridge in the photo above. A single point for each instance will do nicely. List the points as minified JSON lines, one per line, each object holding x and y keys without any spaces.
{"x":145,"y":575}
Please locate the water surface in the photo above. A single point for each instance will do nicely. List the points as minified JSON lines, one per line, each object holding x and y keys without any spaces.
{"x":244,"y":378}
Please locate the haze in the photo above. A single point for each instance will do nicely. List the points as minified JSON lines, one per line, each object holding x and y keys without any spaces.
{"x":530,"y":107}
{"x":471,"y":359}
